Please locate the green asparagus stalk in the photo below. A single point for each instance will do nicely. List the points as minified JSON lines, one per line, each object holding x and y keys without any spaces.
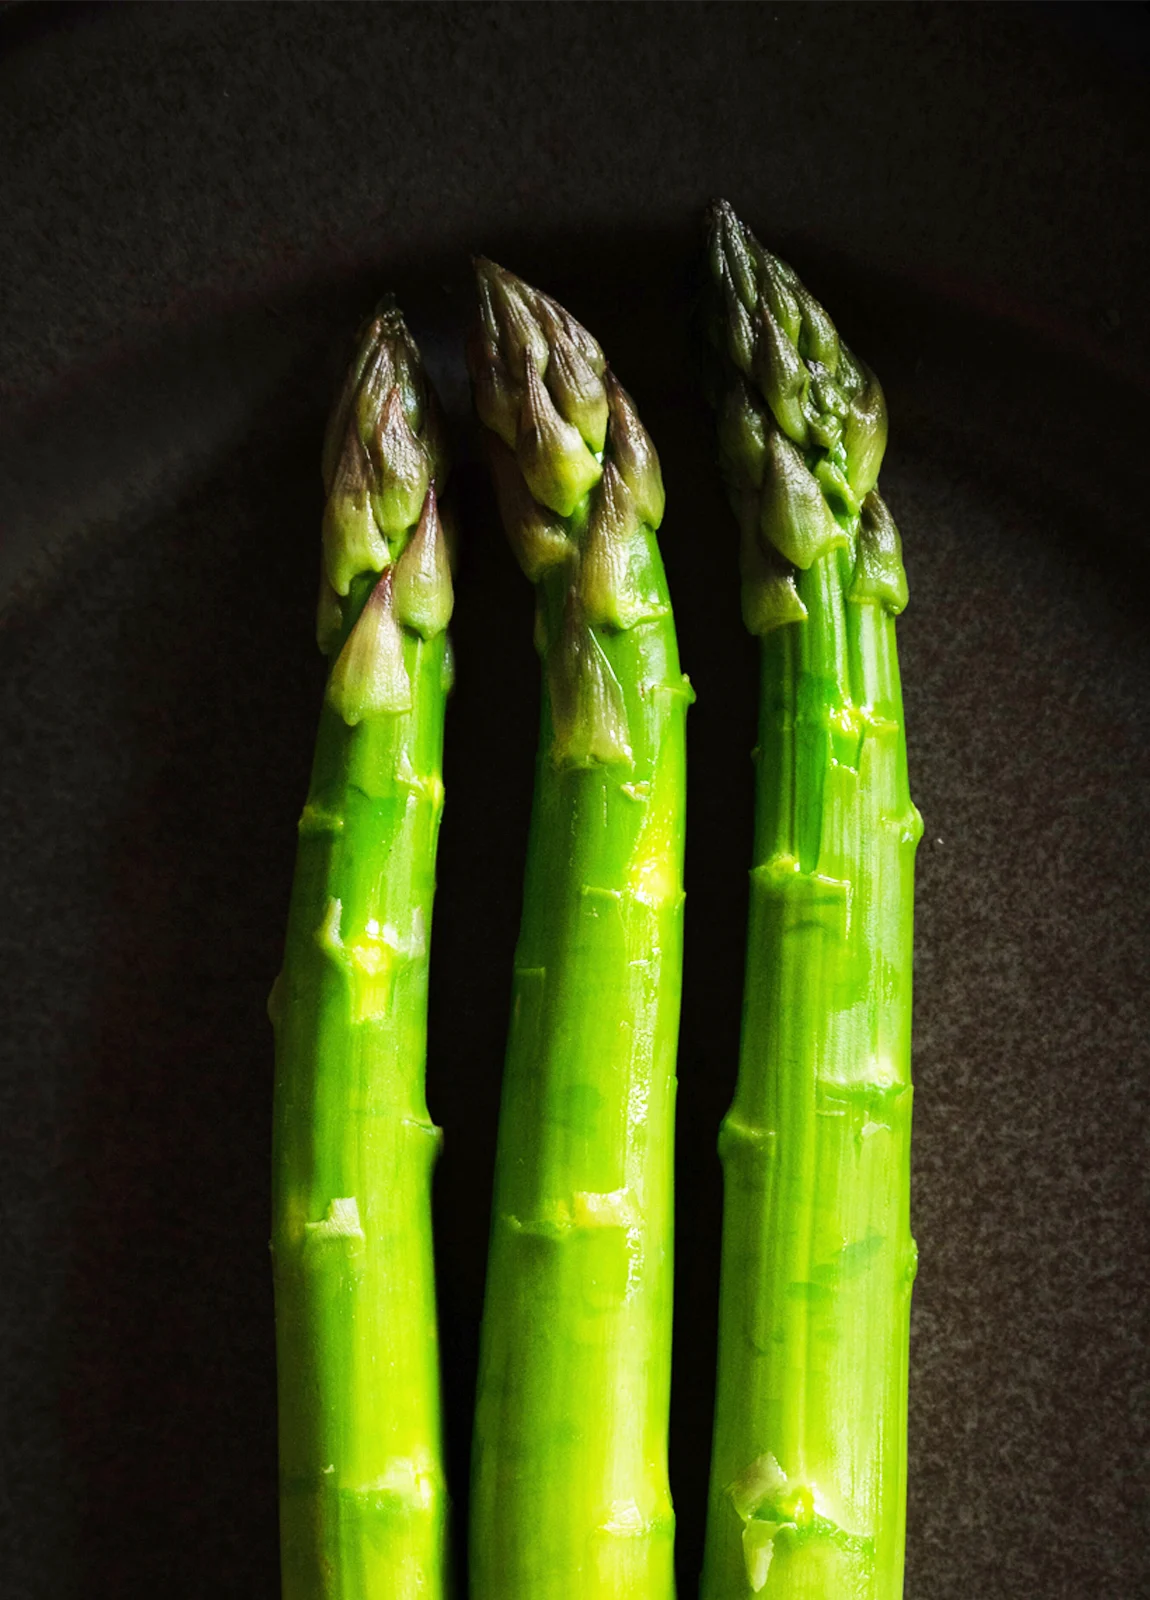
{"x":808,"y":1476}
{"x":570,"y":1495}
{"x":362,"y":1497}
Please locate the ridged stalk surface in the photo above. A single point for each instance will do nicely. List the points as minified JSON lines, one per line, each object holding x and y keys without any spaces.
{"x":362,"y":1496}
{"x":808,"y":1479}
{"x":570,"y":1496}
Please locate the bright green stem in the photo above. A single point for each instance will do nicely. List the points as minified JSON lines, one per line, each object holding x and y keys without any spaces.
{"x":570,"y":1493}
{"x":808,"y":1477}
{"x":362,"y":1498}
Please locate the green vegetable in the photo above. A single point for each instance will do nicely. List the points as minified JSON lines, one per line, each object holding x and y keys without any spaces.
{"x":808,"y":1476}
{"x":570,"y":1497}
{"x":362,"y":1498}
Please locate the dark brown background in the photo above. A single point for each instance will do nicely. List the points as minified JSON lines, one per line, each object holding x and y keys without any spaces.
{"x":197,"y":204}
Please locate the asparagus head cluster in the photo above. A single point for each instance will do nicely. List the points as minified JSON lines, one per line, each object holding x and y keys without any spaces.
{"x":362,"y":1498}
{"x":809,"y":1458}
{"x":802,"y":429}
{"x":570,"y":1496}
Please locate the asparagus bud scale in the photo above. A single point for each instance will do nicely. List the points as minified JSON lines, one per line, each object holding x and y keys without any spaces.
{"x":570,"y":1497}
{"x":808,"y":1476}
{"x":362,"y":1498}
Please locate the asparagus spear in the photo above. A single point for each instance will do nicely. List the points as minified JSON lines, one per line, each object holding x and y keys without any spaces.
{"x":808,"y":1472}
{"x":362,"y":1498}
{"x":570,"y":1497}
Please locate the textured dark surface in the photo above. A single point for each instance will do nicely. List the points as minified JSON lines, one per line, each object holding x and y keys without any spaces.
{"x":198,"y":204}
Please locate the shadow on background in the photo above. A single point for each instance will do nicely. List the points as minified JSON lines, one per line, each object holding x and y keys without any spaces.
{"x":166,"y":648}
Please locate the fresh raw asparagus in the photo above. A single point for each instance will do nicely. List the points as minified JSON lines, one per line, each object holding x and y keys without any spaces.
{"x":808,"y":1476}
{"x":362,"y":1498}
{"x":570,"y":1496}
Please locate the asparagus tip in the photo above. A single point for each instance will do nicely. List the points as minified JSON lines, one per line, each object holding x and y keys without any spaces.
{"x":537,"y":380}
{"x":802,"y":424}
{"x":383,"y":449}
{"x":720,"y":212}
